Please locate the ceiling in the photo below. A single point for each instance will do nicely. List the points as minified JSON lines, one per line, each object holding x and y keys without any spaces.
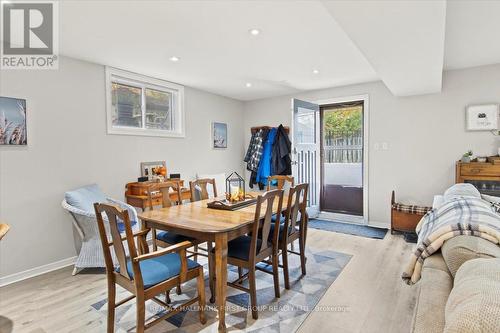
{"x":406,"y":44}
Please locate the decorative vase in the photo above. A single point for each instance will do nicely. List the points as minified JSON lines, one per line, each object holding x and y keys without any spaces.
{"x":465,"y":159}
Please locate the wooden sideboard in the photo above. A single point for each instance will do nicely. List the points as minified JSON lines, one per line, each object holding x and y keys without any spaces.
{"x":136,"y":193}
{"x":485,"y":176}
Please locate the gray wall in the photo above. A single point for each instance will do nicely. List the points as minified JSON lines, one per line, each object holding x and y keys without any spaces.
{"x":68,"y":147}
{"x":426,"y":134}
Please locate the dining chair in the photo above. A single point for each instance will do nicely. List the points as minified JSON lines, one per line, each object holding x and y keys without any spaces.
{"x":297,"y":203}
{"x":4,"y":228}
{"x":167,"y":238}
{"x":144,"y":275}
{"x":248,"y":250}
{"x":199,"y":188}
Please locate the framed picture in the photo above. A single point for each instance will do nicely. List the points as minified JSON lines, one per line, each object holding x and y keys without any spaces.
{"x":482,"y":117}
{"x":150,"y":169}
{"x":219,"y":135}
{"x":13,"y":121}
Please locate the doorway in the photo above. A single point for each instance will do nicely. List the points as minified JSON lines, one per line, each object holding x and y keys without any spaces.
{"x":341,"y":158}
{"x":330,"y":153}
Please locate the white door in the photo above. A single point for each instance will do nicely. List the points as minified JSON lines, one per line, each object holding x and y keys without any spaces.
{"x":306,"y":149}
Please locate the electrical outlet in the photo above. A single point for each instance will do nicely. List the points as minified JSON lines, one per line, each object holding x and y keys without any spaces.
{"x":385,"y":146}
{"x":376,"y":146}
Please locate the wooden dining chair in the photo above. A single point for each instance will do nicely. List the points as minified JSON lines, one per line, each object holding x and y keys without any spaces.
{"x":247,"y":251}
{"x":199,"y":188}
{"x":167,"y":238}
{"x":289,"y":231}
{"x":4,"y":228}
{"x":144,"y":275}
{"x":280,"y":181}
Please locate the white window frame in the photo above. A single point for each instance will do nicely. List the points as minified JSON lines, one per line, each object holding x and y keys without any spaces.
{"x":143,"y":82}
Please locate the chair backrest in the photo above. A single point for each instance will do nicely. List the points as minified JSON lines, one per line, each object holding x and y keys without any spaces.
{"x":264,"y":222}
{"x":164,"y":189}
{"x":4,"y":228}
{"x":297,"y":202}
{"x":113,"y":214}
{"x":199,"y":190}
{"x":281,"y":180}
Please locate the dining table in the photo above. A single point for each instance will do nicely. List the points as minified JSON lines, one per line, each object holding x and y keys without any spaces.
{"x":217,"y":226}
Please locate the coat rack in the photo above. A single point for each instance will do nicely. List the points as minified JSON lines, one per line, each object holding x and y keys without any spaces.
{"x":256,"y":128}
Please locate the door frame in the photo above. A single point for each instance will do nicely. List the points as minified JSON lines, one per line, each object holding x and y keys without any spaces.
{"x":366,"y":121}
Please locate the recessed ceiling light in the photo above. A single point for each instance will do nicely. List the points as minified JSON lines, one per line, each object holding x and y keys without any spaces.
{"x":248,"y":85}
{"x":174,"y":59}
{"x":315,"y":71}
{"x":254,"y":32}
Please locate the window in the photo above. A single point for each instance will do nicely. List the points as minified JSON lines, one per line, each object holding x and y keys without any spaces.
{"x":140,"y":105}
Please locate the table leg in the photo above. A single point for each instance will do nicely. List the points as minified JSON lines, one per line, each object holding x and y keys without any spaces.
{"x":221,"y":277}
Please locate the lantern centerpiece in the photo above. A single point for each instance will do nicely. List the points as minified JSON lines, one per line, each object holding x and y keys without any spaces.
{"x":235,"y":188}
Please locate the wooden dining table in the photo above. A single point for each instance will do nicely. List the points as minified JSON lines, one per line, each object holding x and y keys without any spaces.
{"x":212,"y":225}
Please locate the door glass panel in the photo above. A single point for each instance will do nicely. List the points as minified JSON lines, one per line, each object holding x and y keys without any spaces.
{"x":305,"y":126}
{"x":343,"y":159}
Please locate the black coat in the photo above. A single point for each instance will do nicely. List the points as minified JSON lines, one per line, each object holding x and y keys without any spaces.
{"x":281,"y":163}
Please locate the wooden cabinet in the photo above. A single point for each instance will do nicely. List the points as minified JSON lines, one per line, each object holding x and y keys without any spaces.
{"x":136,"y":194}
{"x":484,"y":176}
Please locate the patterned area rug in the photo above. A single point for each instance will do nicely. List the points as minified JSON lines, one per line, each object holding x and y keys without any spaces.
{"x":284,"y":314}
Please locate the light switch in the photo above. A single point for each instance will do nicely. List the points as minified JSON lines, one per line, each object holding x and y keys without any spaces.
{"x":385,"y":146}
{"x":376,"y":146}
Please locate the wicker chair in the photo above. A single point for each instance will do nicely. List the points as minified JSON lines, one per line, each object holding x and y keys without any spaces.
{"x":85,"y":231}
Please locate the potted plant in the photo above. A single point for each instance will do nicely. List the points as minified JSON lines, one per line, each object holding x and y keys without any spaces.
{"x":466,"y":158}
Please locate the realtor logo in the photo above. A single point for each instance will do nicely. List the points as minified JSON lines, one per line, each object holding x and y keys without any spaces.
{"x":29,"y":35}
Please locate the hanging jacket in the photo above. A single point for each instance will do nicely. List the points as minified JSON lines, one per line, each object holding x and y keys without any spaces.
{"x":256,"y":149}
{"x":281,"y":161}
{"x":265,"y":169}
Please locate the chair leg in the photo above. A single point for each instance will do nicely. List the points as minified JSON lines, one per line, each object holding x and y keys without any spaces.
{"x":211,"y":272}
{"x":178,"y":289}
{"x":302,"y":247}
{"x":140,"y":313}
{"x":76,"y":270}
{"x":201,"y":295}
{"x":286,"y":277}
{"x":276,"y":276}
{"x":253,"y":292}
{"x":292,"y":247}
{"x":153,"y":236}
{"x":167,"y":297}
{"x":111,"y":305}
{"x":195,"y":257}
{"x":240,"y":273}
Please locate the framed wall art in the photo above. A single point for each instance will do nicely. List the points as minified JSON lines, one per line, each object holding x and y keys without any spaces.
{"x":13,"y":121}
{"x":482,"y":117}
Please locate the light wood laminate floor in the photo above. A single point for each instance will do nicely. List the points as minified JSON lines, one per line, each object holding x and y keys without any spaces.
{"x":368,"y":296}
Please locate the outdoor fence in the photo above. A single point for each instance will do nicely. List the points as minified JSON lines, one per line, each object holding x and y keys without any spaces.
{"x":343,"y":147}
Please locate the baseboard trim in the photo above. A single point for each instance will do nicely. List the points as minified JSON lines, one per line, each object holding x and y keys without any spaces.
{"x":16,"y":277}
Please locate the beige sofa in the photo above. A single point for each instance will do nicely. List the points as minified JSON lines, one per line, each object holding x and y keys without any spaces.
{"x":459,"y":290}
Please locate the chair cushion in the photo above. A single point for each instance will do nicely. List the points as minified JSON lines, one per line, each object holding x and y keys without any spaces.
{"x":171,"y":237}
{"x":159,"y":269}
{"x":281,"y":232}
{"x":84,"y":198}
{"x":274,"y":217}
{"x":240,"y":247}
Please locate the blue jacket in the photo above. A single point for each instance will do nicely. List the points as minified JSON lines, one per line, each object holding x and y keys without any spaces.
{"x":265,"y":161}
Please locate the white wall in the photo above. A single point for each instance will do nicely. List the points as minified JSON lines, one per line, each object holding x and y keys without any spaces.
{"x":68,"y":147}
{"x":426,"y":134}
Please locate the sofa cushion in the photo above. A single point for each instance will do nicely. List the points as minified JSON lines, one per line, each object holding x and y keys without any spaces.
{"x":460,"y":249}
{"x":474,"y":303}
{"x":84,"y":198}
{"x":435,"y":286}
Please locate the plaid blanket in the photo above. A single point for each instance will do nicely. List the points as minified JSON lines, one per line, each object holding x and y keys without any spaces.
{"x":463,"y":216}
